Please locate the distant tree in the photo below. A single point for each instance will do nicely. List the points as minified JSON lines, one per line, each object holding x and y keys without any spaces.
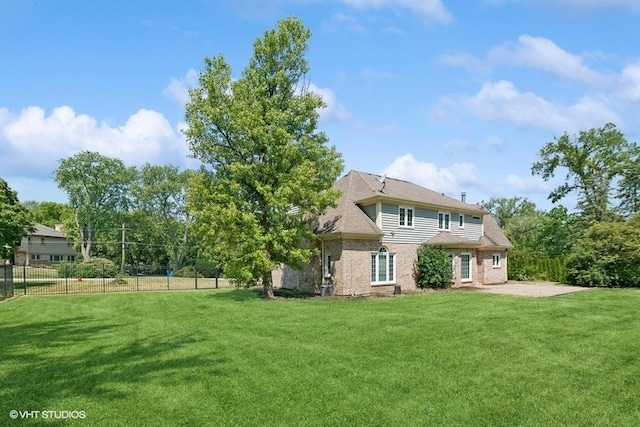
{"x":592,"y":161}
{"x":14,"y":220}
{"x":98,"y":189}
{"x":432,"y":268}
{"x":629,"y":184}
{"x":269,"y":171}
{"x":504,"y":209}
{"x":48,"y":213}
{"x":161,"y":192}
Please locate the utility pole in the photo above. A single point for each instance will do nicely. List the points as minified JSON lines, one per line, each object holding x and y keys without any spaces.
{"x":123,"y":243}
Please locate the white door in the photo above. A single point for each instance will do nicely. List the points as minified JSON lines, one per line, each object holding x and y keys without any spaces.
{"x":465,"y":267}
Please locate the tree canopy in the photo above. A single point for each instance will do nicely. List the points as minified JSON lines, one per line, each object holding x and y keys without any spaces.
{"x":592,"y":161}
{"x":14,"y":220}
{"x":97,"y":187}
{"x":268,"y":170}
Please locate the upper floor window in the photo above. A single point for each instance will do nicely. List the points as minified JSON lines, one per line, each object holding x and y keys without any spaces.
{"x":42,"y":242}
{"x":461,"y":220}
{"x":444,"y":221}
{"x":405,"y":216}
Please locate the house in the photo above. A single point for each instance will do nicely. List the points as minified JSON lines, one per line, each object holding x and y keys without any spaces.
{"x":45,"y":246}
{"x":368,"y":242}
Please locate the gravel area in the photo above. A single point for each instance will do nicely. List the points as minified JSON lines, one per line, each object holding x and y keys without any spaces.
{"x":530,"y":289}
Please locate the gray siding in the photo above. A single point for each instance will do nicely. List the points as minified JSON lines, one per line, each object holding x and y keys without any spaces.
{"x":425,"y":225}
{"x":370,"y":211}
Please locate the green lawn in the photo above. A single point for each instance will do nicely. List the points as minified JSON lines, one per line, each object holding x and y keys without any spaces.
{"x":225,"y":357}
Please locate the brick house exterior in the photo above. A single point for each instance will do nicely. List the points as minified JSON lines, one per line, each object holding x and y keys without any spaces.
{"x":368,"y":242}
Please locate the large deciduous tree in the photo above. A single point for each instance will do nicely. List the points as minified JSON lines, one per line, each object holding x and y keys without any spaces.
{"x":592,"y":161}
{"x":160,"y":192}
{"x":98,"y":189}
{"x":48,"y":213}
{"x":14,"y":220}
{"x":268,"y":170}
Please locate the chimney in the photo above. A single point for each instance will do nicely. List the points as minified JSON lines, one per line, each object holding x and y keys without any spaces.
{"x":463,"y":197}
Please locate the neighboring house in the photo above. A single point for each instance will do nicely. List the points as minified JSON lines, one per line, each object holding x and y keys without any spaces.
{"x":45,"y":245}
{"x":368,"y":242}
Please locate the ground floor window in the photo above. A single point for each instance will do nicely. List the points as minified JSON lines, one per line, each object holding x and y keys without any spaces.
{"x":465,"y":268}
{"x":383,"y":267}
{"x":496,"y":260}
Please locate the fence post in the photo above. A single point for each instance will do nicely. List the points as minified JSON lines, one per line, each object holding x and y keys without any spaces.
{"x":195,"y":274}
{"x":24,"y":279}
{"x":104,"y":282}
{"x":216,"y":270}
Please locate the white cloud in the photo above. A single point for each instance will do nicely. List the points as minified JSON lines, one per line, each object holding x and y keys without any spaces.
{"x":333,"y":110}
{"x":544,"y":54}
{"x":502,"y":102}
{"x":449,"y":180}
{"x":431,"y":10}
{"x":528,"y":185}
{"x":457,"y":146}
{"x":33,"y":142}
{"x":465,"y":60}
{"x":630,"y":82}
{"x":178,"y":88}
{"x":578,"y":6}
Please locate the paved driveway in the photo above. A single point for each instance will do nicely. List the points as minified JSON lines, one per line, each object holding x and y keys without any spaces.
{"x":530,"y":289}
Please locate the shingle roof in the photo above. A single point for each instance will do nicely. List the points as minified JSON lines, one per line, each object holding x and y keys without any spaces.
{"x":398,"y":189}
{"x":493,"y":234}
{"x":360,"y":187}
{"x":44,"y":231}
{"x":347,"y":217}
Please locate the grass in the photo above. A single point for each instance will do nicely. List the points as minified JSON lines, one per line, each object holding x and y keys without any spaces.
{"x":227,"y":357}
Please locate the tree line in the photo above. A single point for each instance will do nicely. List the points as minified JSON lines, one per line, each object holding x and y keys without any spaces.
{"x":267,"y":172}
{"x":597,"y":242}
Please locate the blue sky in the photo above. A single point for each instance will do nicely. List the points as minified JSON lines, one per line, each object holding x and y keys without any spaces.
{"x":453,"y":95}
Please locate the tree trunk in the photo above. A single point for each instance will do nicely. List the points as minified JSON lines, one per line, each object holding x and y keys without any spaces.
{"x":267,"y":285}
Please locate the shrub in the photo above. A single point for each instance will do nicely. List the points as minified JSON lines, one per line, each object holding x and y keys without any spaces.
{"x":96,"y":267}
{"x":432,"y":268}
{"x":187,"y":271}
{"x":121,"y":279}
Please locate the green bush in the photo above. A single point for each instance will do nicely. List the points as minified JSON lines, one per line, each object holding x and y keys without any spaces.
{"x":607,"y":255}
{"x":188,"y":271}
{"x":432,"y":268}
{"x":96,"y":267}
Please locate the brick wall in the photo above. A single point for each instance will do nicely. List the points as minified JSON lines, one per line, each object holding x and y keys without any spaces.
{"x":493,"y":275}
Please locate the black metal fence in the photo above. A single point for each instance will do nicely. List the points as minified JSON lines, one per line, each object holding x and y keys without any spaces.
{"x":6,"y":281}
{"x":79,"y":278}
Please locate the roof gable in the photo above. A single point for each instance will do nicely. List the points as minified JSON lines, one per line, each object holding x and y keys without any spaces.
{"x":376,"y":187}
{"x":44,"y":231}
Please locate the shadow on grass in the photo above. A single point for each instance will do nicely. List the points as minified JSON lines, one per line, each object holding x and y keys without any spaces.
{"x":79,"y":357}
{"x":256,"y":293}
{"x":237,"y":294}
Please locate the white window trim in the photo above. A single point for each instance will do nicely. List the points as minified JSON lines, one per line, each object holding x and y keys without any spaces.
{"x":493,"y":260}
{"x":406,"y":216}
{"x":327,"y":266}
{"x":453,"y":266}
{"x":444,"y":214}
{"x":391,"y":256}
{"x":470,"y":278}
